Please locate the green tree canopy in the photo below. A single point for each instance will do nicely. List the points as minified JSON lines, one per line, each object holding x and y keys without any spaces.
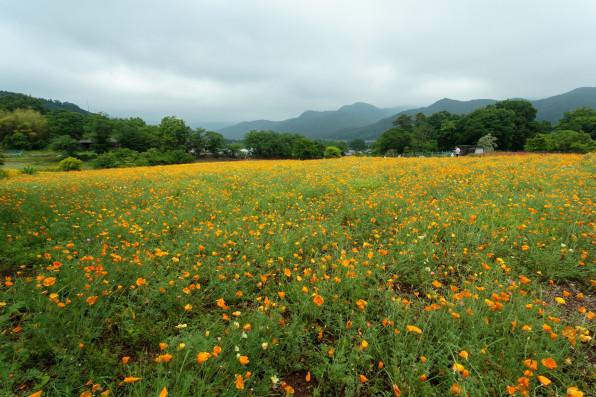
{"x":540,"y":143}
{"x":66,"y":122}
{"x":581,"y":119}
{"x":396,"y":139}
{"x":12,"y":102}
{"x":404,"y":122}
{"x":100,"y":128}
{"x":332,"y":152}
{"x":305,"y":149}
{"x":173,"y":133}
{"x":215,"y":143}
{"x":358,"y":145}
{"x":525,"y":126}
{"x":30,"y":123}
{"x":270,"y":144}
{"x":196,"y":141}
{"x":65,"y":144}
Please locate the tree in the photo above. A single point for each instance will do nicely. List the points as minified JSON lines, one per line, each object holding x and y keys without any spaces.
{"x":233,"y":149}
{"x":305,"y":149}
{"x":395,"y":139}
{"x":196,"y":141}
{"x":581,"y":119}
{"x":13,"y":102}
{"x":134,"y":134}
{"x":525,"y":126}
{"x":341,"y":145}
{"x":488,"y":143}
{"x":500,"y":123}
{"x":66,"y":122}
{"x":568,"y":141}
{"x":539,"y":144}
{"x":270,"y":144}
{"x":448,"y":136}
{"x":332,"y":152}
{"x":357,"y":145}
{"x":1,"y":155}
{"x":18,"y":141}
{"x":65,"y":144}
{"x":214,"y":142}
{"x":99,"y":129}
{"x":173,"y":132}
{"x":30,"y":123}
{"x":404,"y":122}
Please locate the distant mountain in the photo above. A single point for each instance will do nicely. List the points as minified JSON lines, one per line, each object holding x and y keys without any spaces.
{"x":315,"y":124}
{"x":550,"y":109}
{"x":348,"y":122}
{"x":51,"y":104}
{"x":372,"y":131}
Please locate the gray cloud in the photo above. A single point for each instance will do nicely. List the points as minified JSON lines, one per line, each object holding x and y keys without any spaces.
{"x":229,"y":61}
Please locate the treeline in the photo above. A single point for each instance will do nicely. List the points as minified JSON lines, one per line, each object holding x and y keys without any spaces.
{"x":117,"y":142}
{"x":509,"y":126}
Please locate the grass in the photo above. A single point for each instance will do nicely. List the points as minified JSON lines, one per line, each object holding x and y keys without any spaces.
{"x":38,"y":159}
{"x":356,"y":276}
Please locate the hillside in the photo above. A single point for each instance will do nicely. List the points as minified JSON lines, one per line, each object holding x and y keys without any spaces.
{"x":51,"y":104}
{"x":315,"y":124}
{"x":552,"y":108}
{"x":372,"y":131}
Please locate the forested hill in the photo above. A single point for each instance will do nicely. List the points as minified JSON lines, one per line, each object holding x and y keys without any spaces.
{"x":48,"y":104}
{"x":315,"y":124}
{"x":550,"y":109}
{"x":372,"y":131}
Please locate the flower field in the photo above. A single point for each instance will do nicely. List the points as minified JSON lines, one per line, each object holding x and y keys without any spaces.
{"x":355,"y":276}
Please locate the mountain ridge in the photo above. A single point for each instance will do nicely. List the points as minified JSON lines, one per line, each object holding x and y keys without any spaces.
{"x":550,"y":109}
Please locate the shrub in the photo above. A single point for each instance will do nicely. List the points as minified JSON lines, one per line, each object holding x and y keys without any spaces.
{"x":119,"y":158}
{"x":332,"y":151}
{"x":4,"y":174}
{"x":86,"y":156}
{"x":155,"y":156}
{"x":122,"y":158}
{"x":28,"y":170}
{"x":70,"y":164}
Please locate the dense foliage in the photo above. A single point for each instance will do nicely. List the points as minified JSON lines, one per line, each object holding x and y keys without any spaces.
{"x":511,"y":123}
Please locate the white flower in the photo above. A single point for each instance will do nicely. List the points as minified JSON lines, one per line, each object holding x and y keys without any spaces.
{"x":274,"y":379}
{"x":264,"y":345}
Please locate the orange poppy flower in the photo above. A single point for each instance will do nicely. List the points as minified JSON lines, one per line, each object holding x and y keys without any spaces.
{"x":543,"y":380}
{"x":549,"y":363}
{"x":532,"y":364}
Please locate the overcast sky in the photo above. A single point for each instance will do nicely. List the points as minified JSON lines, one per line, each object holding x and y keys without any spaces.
{"x":226,"y":61}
